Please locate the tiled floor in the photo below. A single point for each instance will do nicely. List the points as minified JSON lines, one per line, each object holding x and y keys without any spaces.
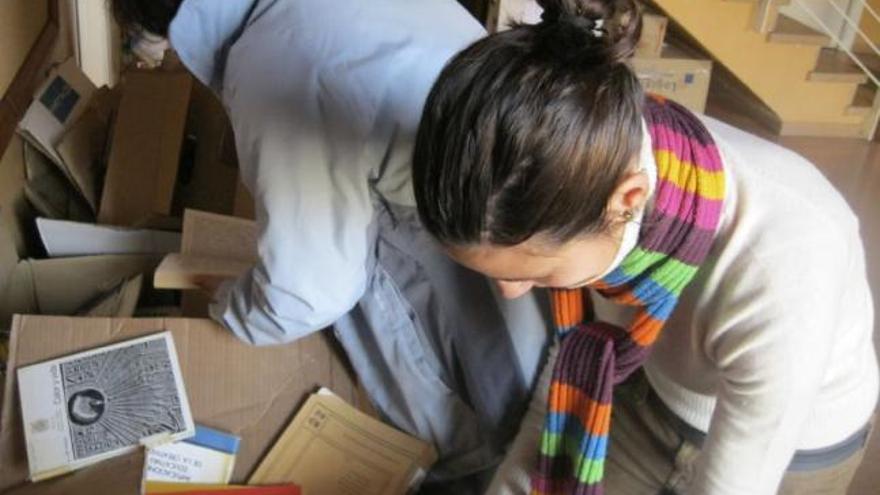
{"x":853,"y":166}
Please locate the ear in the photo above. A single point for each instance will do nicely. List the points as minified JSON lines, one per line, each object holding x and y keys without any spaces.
{"x":631,"y":194}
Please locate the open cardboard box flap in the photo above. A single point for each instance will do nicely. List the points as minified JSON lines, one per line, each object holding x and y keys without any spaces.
{"x":249,"y":391}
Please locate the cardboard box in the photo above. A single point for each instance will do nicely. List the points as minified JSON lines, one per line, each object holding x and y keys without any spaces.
{"x":83,"y":148}
{"x":684,"y":80}
{"x":145,"y":147}
{"x":653,"y":33}
{"x":210,"y":181}
{"x":16,"y":212}
{"x":244,"y":203}
{"x":8,"y":256}
{"x":172,"y":148}
{"x":249,"y":391}
{"x":50,"y":192}
{"x":59,"y":102}
{"x":47,"y":286}
{"x":120,"y":302}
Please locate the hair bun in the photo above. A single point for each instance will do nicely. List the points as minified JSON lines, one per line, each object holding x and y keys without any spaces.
{"x":591,"y":30}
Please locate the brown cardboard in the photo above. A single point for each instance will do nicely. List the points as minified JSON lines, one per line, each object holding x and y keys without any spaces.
{"x":15,"y":210}
{"x":145,"y":147}
{"x":120,"y":302}
{"x":50,"y":192}
{"x":676,"y":77}
{"x":63,"y":286}
{"x":20,"y":25}
{"x":59,"y":102}
{"x":210,"y":185}
{"x":83,"y":146}
{"x":244,"y":203}
{"x":248,"y":391}
{"x":653,"y":32}
{"x":8,"y":255}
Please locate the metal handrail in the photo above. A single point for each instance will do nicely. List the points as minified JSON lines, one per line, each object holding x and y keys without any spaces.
{"x":866,"y":6}
{"x":875,"y":117}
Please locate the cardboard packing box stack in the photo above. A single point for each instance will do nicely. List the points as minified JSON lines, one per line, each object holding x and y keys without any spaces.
{"x":662,"y":69}
{"x":113,"y":176}
{"x":108,"y":174}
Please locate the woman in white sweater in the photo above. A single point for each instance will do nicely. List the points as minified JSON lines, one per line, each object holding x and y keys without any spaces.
{"x":734,"y":324}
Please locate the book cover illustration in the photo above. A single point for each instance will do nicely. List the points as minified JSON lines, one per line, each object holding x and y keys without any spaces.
{"x":101,"y":403}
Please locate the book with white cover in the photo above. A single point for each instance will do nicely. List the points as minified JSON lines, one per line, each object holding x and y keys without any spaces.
{"x":98,"y":404}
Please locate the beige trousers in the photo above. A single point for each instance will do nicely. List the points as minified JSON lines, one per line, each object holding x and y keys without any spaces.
{"x":647,"y":456}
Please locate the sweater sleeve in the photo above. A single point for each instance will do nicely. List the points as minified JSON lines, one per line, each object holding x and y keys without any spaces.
{"x":300,"y":131}
{"x":771,"y":347}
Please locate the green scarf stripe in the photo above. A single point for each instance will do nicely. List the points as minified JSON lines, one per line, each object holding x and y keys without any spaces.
{"x":673,"y":275}
{"x":589,"y":470}
{"x":638,"y":260}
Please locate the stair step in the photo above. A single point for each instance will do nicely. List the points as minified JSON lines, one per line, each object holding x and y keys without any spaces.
{"x":836,"y":66}
{"x":788,"y":30}
{"x":863,"y":102}
{"x":871,"y":61}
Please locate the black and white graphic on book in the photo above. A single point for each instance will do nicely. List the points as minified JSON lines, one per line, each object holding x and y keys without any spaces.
{"x":116,"y":398}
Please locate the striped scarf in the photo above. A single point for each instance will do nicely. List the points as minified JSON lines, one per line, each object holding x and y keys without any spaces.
{"x":674,"y":240}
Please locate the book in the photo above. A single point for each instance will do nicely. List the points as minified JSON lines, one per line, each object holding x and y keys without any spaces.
{"x":184,"y":271}
{"x":166,"y":488}
{"x":331,"y":448}
{"x":207,"y":457}
{"x":94,"y":405}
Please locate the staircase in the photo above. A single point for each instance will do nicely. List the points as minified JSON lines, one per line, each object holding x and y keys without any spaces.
{"x":813,"y":90}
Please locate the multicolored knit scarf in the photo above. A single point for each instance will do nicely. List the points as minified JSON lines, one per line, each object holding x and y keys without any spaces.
{"x":675,"y":238}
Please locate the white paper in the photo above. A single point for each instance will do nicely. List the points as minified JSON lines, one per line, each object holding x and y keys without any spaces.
{"x":66,"y":238}
{"x":184,"y":462}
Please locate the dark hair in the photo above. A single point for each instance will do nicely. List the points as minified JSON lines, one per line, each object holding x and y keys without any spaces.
{"x":149,"y":15}
{"x":530,"y":130}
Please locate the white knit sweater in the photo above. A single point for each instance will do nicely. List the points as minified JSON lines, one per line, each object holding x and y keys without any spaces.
{"x":770,"y":348}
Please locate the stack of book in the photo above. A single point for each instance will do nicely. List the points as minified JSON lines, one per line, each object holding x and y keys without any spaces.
{"x":166,"y":488}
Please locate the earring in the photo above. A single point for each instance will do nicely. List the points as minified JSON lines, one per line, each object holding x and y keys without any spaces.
{"x":627,"y":215}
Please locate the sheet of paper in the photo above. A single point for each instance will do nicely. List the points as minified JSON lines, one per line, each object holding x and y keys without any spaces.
{"x":66,"y":238}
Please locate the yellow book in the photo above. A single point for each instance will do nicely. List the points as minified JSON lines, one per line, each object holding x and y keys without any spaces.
{"x":158,"y":487}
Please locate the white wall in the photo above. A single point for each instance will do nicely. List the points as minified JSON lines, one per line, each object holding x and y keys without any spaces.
{"x":826,"y":13}
{"x":98,"y":41}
